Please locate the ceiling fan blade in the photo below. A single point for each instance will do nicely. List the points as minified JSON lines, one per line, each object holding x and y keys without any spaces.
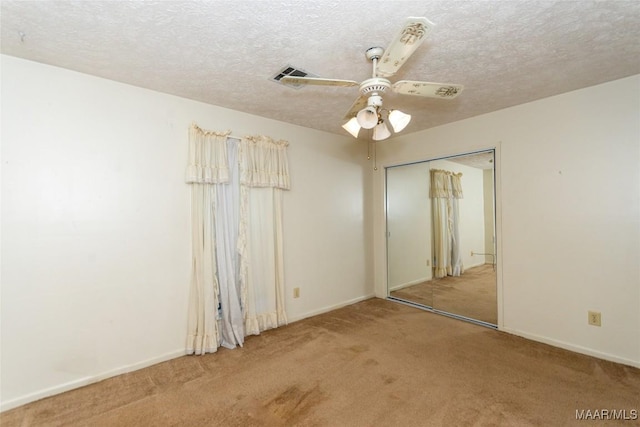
{"x":317,"y":81}
{"x":428,"y":89}
{"x":403,"y":45}
{"x":358,"y":105}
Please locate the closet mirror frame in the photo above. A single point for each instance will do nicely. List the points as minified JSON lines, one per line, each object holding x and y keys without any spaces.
{"x":496,"y":233}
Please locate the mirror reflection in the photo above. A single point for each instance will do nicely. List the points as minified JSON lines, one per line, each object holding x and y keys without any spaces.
{"x":441,"y":235}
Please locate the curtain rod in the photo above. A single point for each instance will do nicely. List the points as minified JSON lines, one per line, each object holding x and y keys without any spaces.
{"x":227,"y":134}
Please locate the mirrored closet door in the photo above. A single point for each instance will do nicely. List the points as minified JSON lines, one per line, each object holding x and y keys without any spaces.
{"x":441,"y":252}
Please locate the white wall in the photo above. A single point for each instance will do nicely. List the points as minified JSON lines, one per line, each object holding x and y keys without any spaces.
{"x":96,"y":232}
{"x":409,"y":225}
{"x":489,"y":206}
{"x":568,"y":217}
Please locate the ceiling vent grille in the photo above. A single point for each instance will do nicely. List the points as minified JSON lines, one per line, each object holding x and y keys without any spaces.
{"x":289,"y":70}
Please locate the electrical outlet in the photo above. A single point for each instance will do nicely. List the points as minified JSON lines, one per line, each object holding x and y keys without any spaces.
{"x":296,"y":292}
{"x":594,"y":318}
{"x":428,"y":263}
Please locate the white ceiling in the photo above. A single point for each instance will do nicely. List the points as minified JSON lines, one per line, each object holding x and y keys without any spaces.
{"x":225,"y":52}
{"x":483,"y":160}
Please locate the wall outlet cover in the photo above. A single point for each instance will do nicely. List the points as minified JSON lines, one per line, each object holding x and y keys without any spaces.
{"x":595,"y":318}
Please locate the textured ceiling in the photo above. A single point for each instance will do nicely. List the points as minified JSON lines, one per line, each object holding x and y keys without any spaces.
{"x":224,"y":52}
{"x":482,"y":160}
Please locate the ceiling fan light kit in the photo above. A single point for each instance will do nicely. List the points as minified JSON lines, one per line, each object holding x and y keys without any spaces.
{"x":380,"y":132}
{"x":352,"y":126}
{"x":399,"y":120}
{"x":367,"y":112}
{"x":368,"y":117}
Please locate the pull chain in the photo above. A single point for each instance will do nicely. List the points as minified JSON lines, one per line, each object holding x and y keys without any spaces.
{"x":375,"y":158}
{"x":371,"y":144}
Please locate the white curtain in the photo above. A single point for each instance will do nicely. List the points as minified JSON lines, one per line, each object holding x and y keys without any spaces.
{"x":237,"y":283}
{"x":225,"y":236}
{"x":208,"y":165}
{"x":264,"y":176}
{"x":445,"y":190}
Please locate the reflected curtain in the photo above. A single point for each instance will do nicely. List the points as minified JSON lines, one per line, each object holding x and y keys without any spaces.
{"x":445,"y":191}
{"x":237,"y":279}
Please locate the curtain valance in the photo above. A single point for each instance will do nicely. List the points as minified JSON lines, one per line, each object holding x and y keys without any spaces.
{"x":263,"y":161}
{"x":445,"y":184}
{"x":208,"y":160}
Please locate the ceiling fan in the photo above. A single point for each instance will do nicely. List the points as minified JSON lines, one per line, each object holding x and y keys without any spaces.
{"x":366,"y":112}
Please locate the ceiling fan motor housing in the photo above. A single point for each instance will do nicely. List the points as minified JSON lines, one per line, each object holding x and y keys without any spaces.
{"x":374,"y":85}
{"x":374,"y":53}
{"x":374,"y":100}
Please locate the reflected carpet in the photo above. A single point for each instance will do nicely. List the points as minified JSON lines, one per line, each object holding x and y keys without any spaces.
{"x":473,"y":294}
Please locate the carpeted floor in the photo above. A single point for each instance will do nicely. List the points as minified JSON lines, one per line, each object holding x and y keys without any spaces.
{"x":473,"y":294}
{"x":375,"y":363}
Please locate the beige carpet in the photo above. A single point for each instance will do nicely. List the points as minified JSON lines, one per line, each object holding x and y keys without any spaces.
{"x":375,"y":363}
{"x":473,"y":294}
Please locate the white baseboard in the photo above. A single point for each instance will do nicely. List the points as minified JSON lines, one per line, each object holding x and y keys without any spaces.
{"x":14,"y":403}
{"x":467,"y":267}
{"x":574,"y":348}
{"x":411,"y":283}
{"x":41,"y":394}
{"x":330,"y":308}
